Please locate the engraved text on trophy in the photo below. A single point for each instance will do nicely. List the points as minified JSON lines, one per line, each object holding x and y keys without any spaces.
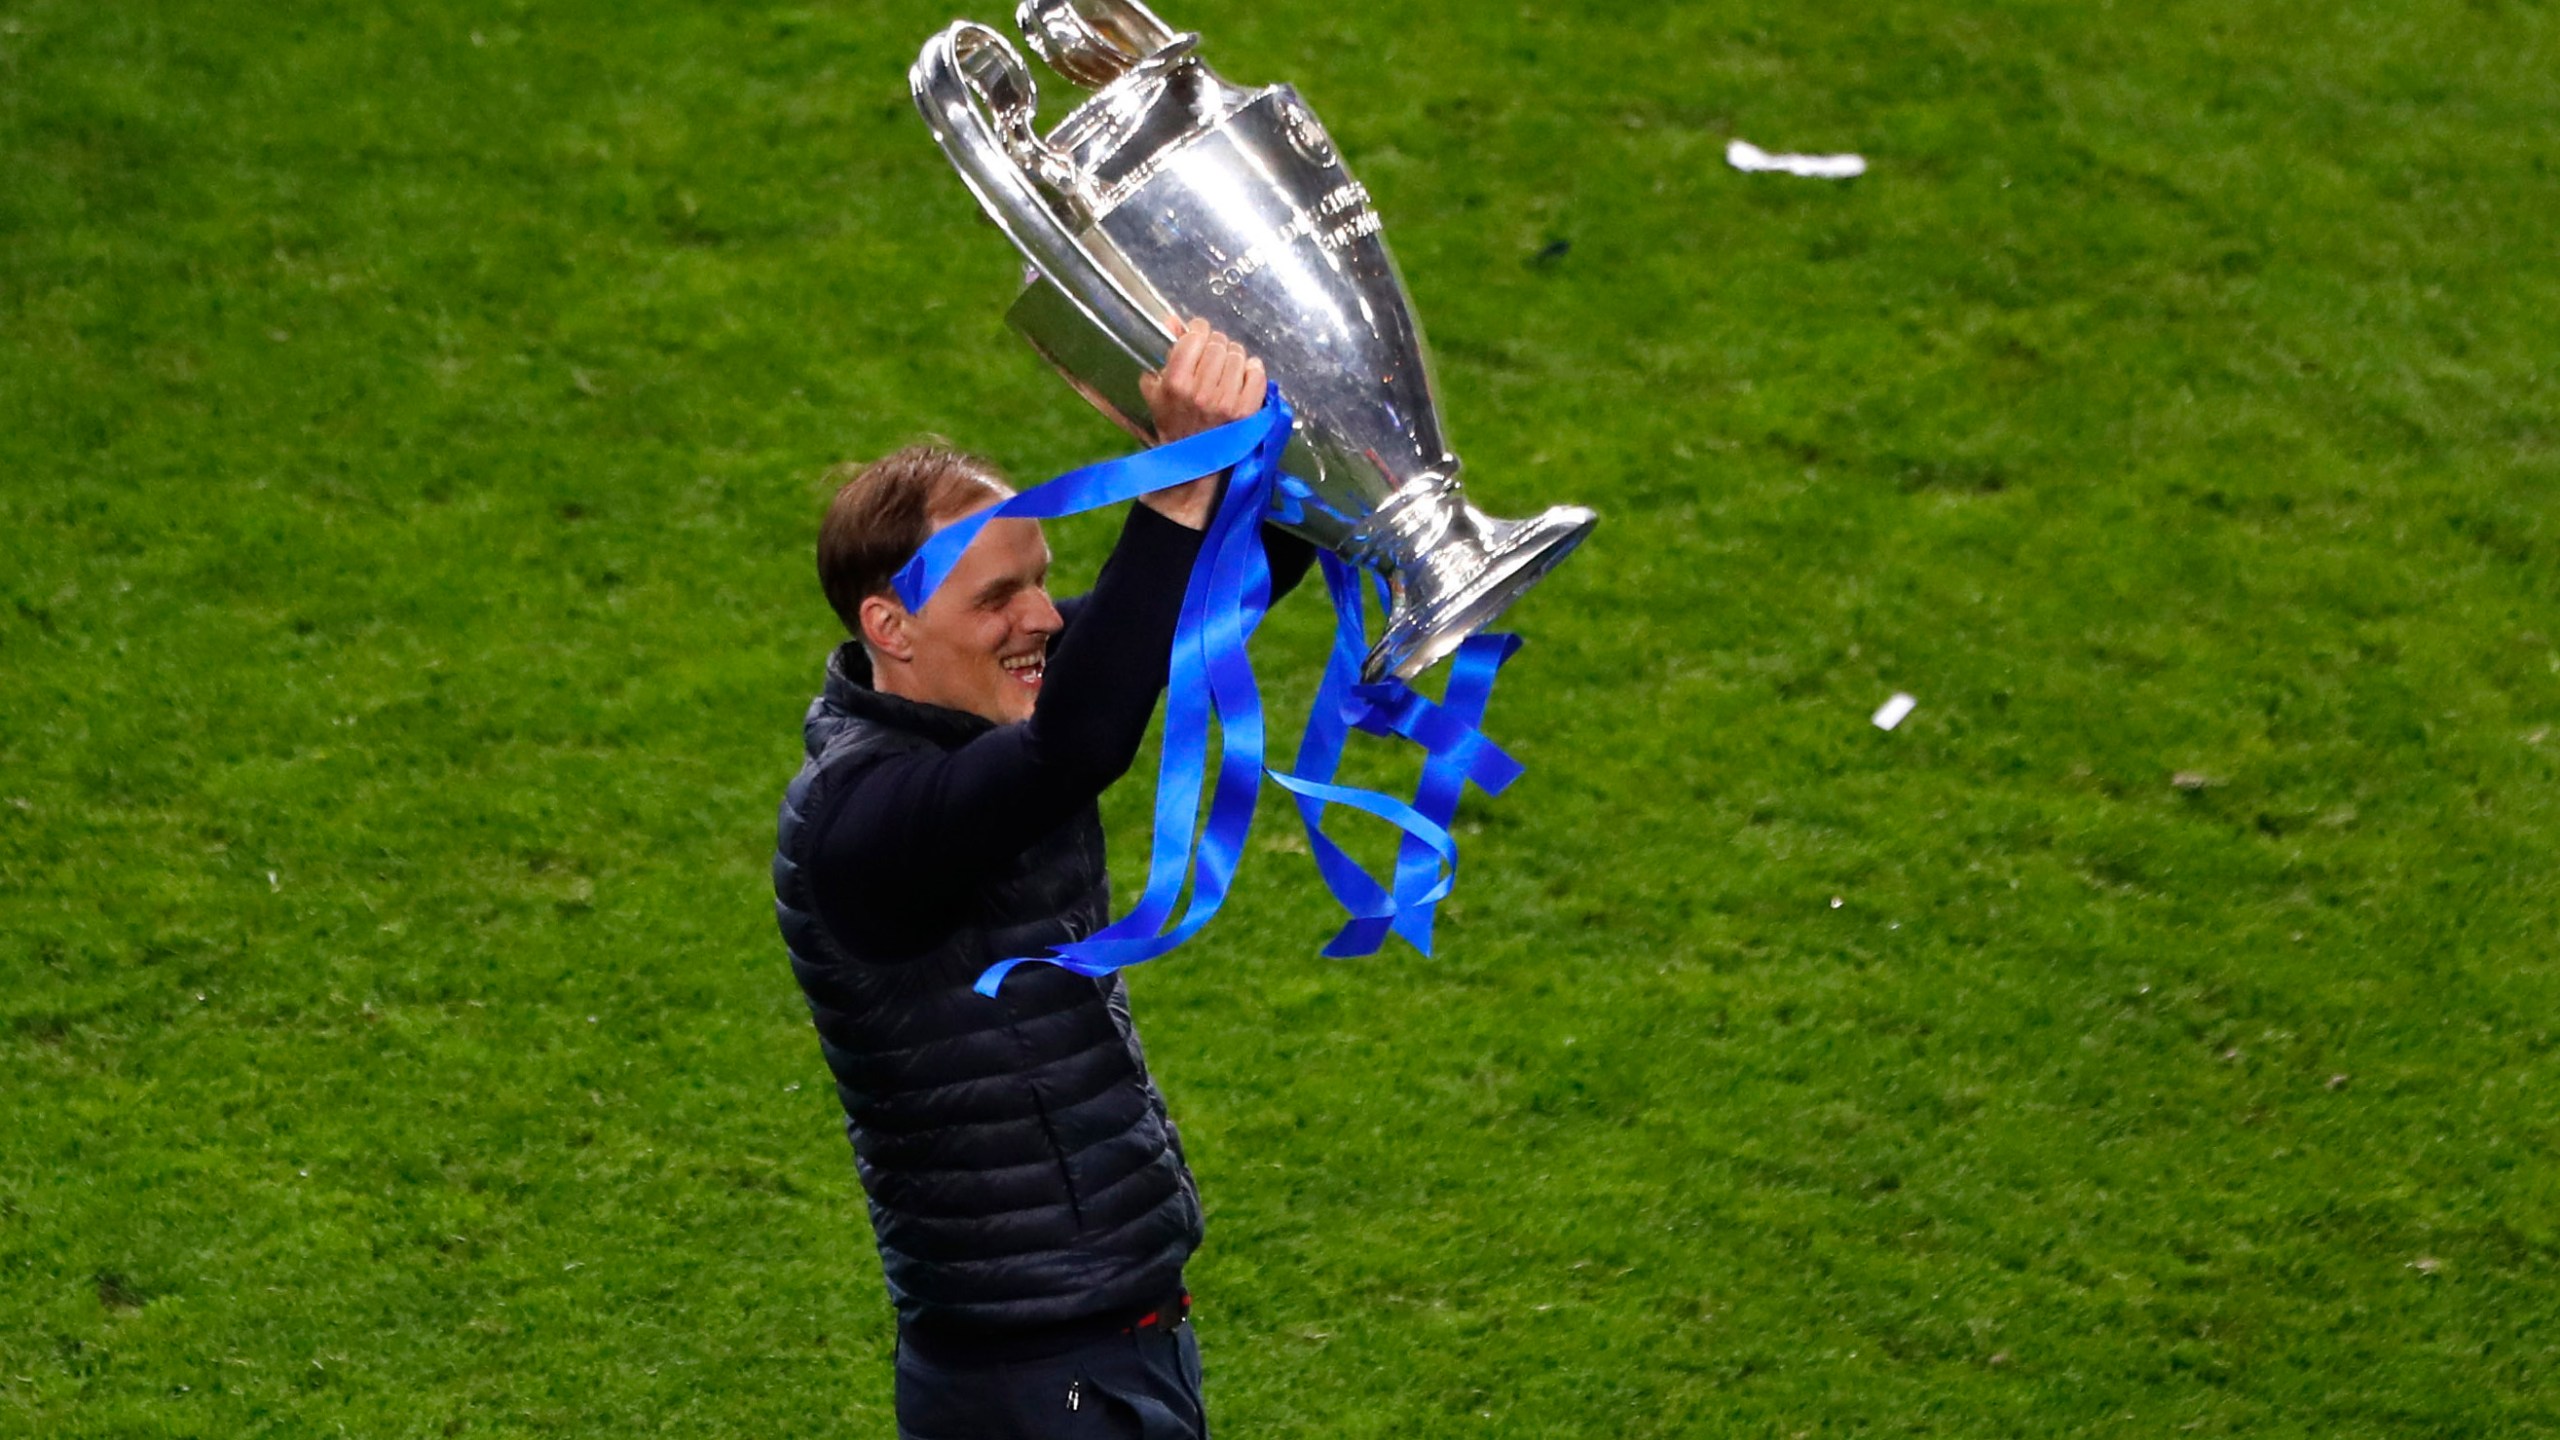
{"x":1342,"y":216}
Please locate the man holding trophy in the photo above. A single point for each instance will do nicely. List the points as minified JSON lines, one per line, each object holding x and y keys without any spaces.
{"x":1029,"y":1195}
{"x":1027,"y":1189}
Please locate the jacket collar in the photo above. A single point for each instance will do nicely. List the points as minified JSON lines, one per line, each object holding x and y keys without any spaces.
{"x":849,"y":690}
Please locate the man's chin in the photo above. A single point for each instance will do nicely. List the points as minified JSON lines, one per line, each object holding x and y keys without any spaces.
{"x":1021,"y":694}
{"x":1019,"y":701}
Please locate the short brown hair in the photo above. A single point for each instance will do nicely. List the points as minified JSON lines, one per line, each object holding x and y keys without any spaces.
{"x":884,"y":511}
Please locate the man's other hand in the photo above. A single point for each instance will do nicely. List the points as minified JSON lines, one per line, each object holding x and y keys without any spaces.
{"x":1206,"y":382}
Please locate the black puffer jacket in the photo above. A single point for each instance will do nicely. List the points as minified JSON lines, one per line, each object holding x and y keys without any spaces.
{"x":1026,"y":1187}
{"x":1022,"y":1173}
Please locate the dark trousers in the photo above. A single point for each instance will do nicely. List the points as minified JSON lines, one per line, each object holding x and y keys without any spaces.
{"x":1140,"y":1385}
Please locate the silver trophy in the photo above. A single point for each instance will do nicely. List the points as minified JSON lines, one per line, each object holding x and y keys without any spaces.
{"x":1172,"y":193}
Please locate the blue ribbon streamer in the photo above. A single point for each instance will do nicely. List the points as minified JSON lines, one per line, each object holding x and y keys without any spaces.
{"x":1091,"y":488}
{"x":1459,"y":753}
{"x":1211,"y":678}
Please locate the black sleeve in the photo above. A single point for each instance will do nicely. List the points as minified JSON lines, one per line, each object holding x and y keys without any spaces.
{"x":912,"y":835}
{"x":1289,"y":557}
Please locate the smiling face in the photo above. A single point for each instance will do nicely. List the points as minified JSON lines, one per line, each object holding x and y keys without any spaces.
{"x":981,"y":644}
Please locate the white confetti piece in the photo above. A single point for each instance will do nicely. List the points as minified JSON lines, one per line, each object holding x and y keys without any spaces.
{"x":1745,"y":156}
{"x":1894,"y":711}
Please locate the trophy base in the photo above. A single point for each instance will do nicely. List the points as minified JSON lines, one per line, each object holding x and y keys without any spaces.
{"x":1435,"y":612}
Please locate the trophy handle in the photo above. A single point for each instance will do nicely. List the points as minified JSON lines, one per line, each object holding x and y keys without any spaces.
{"x":1092,"y":42}
{"x":978,"y":97}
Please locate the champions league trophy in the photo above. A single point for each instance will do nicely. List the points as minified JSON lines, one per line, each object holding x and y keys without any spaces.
{"x":1172,"y":193}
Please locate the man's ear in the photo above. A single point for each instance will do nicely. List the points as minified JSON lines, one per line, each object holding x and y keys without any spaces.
{"x":884,"y":627}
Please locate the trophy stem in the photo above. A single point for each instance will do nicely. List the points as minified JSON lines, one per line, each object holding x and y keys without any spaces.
{"x":1472,"y":574}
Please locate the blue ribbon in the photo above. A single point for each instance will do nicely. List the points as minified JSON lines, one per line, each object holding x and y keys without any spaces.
{"x":1459,"y":753}
{"x":1211,"y":678}
{"x":1091,"y":488}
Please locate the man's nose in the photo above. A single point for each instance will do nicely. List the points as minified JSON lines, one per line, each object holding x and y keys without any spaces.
{"x":1039,"y":616}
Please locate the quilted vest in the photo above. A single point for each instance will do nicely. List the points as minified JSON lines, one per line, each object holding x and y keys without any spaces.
{"x":1021,"y":1170}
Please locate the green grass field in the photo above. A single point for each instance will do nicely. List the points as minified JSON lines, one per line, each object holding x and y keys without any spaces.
{"x":412,"y":420}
